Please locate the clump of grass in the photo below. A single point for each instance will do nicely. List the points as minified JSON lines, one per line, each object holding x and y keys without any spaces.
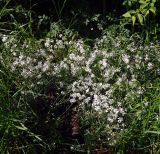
{"x":143,"y":118}
{"x":14,"y":136}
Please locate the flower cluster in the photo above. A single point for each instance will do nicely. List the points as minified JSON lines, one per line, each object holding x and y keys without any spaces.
{"x":105,"y":77}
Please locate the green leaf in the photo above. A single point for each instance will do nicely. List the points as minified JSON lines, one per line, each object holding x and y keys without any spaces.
{"x":129,"y":3}
{"x":152,"y":4}
{"x":133,"y":20}
{"x":36,"y":136}
{"x":142,"y":2}
{"x":22,"y":127}
{"x":147,"y":12}
{"x":153,"y":132}
{"x":143,"y":6}
{"x":140,"y":18}
{"x":127,"y":15}
{"x":132,"y":11}
{"x":153,"y":10}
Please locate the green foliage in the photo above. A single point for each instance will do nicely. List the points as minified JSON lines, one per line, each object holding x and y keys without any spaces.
{"x":113,"y":78}
{"x":130,"y":4}
{"x":143,"y":128}
{"x":143,"y":18}
{"x":142,"y":12}
{"x":15,"y":137}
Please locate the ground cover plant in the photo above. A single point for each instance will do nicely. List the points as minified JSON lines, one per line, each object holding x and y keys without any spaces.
{"x":64,"y":93}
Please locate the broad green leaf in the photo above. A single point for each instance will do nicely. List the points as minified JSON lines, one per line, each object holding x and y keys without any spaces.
{"x":152,"y":4}
{"x":129,"y":3}
{"x":127,"y":15}
{"x":153,"y":10}
{"x":147,"y":12}
{"x":142,"y":2}
{"x":143,"y":6}
{"x":132,"y":11}
{"x":140,"y":18}
{"x":133,"y":20}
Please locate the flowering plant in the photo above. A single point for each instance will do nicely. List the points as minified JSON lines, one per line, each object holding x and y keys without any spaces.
{"x":103,"y":80}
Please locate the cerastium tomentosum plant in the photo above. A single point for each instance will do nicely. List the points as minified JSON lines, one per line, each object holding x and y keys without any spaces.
{"x":103,"y":79}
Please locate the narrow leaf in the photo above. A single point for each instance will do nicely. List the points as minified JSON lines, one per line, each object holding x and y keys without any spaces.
{"x":140,"y":18}
{"x":133,"y":20}
{"x":153,"y":132}
{"x":22,"y":127}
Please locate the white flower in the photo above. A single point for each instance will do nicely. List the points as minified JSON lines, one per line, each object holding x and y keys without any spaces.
{"x":150,"y":66}
{"x":125,"y":58}
{"x":14,"y":54}
{"x":4,"y":38}
{"x":45,"y":67}
{"x":119,"y":81}
{"x":42,"y":52}
{"x":47,"y":43}
{"x":21,"y":57}
{"x":146,"y":57}
{"x":39,"y":66}
{"x":88,"y":69}
{"x":22,"y":62}
{"x":39,"y":76}
{"x":158,"y":71}
{"x":72,"y":56}
{"x":103,"y":63}
{"x":120,"y":119}
{"x":146,"y":103}
{"x":73,"y":100}
{"x":110,"y":119}
{"x":87,"y":100}
{"x":97,"y":108}
{"x":15,"y":63}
